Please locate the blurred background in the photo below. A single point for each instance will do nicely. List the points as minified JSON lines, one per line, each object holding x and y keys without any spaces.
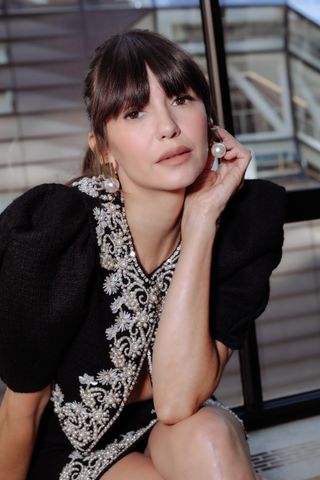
{"x":271,"y":51}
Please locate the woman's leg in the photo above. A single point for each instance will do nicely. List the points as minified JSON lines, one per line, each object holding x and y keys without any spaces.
{"x":209,"y":445}
{"x":134,"y":466}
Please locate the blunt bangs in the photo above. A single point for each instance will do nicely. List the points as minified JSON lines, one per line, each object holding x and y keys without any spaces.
{"x":121,"y":82}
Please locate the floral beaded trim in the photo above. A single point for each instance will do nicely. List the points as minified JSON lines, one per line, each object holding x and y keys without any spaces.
{"x":136,"y":301}
{"x":89,"y":466}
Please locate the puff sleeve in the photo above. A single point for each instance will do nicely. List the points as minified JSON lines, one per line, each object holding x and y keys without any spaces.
{"x":46,"y":262}
{"x":247,"y":248}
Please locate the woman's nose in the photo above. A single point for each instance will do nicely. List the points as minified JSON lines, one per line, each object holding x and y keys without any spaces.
{"x":167,"y":126}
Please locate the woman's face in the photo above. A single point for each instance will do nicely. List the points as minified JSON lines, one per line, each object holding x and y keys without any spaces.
{"x":162,"y":147}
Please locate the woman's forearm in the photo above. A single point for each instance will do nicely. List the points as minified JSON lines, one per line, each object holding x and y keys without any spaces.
{"x":20,"y":416}
{"x":186,"y":362}
{"x":16,"y":445}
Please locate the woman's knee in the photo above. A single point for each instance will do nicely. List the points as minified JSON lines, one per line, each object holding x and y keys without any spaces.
{"x":209,"y":431}
{"x":210,"y":428}
{"x":210,"y":439}
{"x":215,"y":427}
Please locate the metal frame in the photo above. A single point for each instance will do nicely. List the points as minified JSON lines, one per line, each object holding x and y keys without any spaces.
{"x":216,"y":60}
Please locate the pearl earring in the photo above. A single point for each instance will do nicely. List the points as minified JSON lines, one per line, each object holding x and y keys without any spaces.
{"x":110,"y":182}
{"x":218,"y":149}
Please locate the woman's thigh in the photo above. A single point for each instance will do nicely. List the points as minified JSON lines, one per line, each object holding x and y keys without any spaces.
{"x":134,"y":466}
{"x":190,"y":444}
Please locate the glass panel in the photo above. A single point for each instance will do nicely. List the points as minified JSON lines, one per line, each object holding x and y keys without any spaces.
{"x":254,"y":29}
{"x":289,"y":330}
{"x":45,"y":25}
{"x":3,"y":30}
{"x":63,"y":123}
{"x":176,"y":3}
{"x":10,"y":154}
{"x":6,"y":101}
{"x":310,"y":155}
{"x":3,"y":54}
{"x":102,"y":24}
{"x":147,"y":21}
{"x":279,"y":157}
{"x":55,"y":149}
{"x":305,"y":84}
{"x":259,"y":93}
{"x":24,"y":5}
{"x":8,"y":128}
{"x":39,"y":75}
{"x":47,"y":50}
{"x":22,"y":177}
{"x":5,"y":199}
{"x":275,"y":96}
{"x":118,"y":4}
{"x":304,"y":39}
{"x":48,"y":99}
{"x":19,"y":158}
{"x":185,"y":30}
{"x":5,"y":78}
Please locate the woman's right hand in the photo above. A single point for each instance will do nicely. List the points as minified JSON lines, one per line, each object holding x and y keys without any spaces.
{"x":208,"y":196}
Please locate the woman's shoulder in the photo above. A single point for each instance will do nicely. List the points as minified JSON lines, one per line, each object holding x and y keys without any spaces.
{"x":46,"y":206}
{"x":259,"y":196}
{"x":47,"y":195}
{"x":48,"y":219}
{"x":251,"y":225}
{"x":258,"y":207}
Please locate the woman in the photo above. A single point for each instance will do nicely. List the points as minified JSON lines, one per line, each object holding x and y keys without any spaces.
{"x":120,"y":308}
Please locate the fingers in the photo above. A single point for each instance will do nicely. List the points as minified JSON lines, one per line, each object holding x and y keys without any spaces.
{"x":234,"y":164}
{"x":226,"y":137}
{"x":235,"y":150}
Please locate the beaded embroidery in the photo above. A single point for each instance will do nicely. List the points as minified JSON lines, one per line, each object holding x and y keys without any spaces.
{"x":137,"y":302}
{"x":89,"y":466}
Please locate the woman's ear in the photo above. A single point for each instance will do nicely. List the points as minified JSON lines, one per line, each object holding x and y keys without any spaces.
{"x":92,"y":141}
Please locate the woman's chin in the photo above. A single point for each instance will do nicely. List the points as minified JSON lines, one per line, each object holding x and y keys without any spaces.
{"x":174,"y":182}
{"x":184,"y":182}
{"x":175,"y":186}
{"x":181,"y":180}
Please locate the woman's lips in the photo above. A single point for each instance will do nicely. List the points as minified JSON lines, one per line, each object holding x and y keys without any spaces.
{"x":175,"y":156}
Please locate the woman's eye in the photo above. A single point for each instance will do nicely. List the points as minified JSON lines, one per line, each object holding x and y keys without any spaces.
{"x":183,"y":99}
{"x":132,"y":115}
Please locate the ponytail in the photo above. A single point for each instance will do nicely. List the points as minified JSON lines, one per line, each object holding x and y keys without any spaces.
{"x":90,"y":164}
{"x":90,"y":167}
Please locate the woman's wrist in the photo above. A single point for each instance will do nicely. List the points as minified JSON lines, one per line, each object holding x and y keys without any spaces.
{"x":199,"y":230}
{"x":198,"y":238}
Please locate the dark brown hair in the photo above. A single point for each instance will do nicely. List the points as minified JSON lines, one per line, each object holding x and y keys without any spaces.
{"x":117,"y":80}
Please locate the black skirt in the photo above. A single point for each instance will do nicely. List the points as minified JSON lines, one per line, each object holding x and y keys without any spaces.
{"x":55,"y":459}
